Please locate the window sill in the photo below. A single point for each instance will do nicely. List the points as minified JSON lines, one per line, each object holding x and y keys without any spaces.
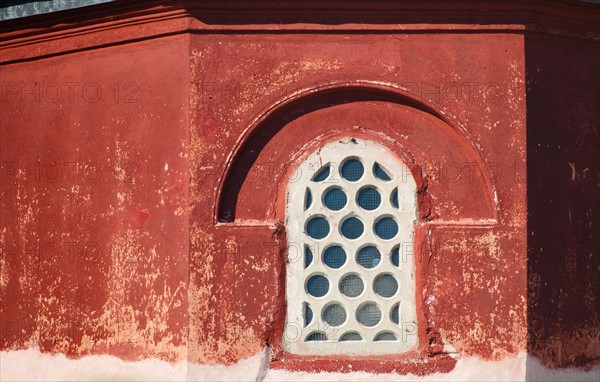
{"x":410,"y":363}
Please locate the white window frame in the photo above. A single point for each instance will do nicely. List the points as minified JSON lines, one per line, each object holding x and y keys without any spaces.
{"x":295,"y":332}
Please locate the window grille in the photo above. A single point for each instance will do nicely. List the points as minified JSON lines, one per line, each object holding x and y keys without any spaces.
{"x":350,"y":284}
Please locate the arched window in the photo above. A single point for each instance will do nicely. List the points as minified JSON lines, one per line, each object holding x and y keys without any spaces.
{"x":350,"y":276}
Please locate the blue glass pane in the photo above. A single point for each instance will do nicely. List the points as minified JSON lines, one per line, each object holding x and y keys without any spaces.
{"x":386,"y":228}
{"x":395,"y":314}
{"x":395,"y":256}
{"x":395,"y":198}
{"x":316,"y":336}
{"x":322,"y":174}
{"x":351,"y":286}
{"x":352,"y":336}
{"x":352,"y":170}
{"x":317,"y":286}
{"x":307,"y":200}
{"x":385,"y":336}
{"x":334,"y":256}
{"x":317,"y":228}
{"x":385,"y":285}
{"x":369,"y":199}
{"x":352,"y":228}
{"x":335,"y":199}
{"x":308,"y":314}
{"x":368,"y":257}
{"x":368,"y":315}
{"x":380,"y":173}
{"x":308,"y":256}
{"x":334,"y":315}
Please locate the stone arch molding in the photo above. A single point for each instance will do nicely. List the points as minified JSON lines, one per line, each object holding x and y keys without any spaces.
{"x":437,"y":149}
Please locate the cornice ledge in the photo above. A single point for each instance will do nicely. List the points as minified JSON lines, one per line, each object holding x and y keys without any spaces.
{"x":125,"y":21}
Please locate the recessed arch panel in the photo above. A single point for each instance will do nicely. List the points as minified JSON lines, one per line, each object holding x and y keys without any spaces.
{"x":443,"y":159}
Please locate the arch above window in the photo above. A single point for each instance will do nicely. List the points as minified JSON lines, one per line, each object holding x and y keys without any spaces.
{"x":350,"y":283}
{"x":436,"y":143}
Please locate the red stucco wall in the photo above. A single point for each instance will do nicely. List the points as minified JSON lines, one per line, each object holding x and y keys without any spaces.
{"x":473,"y":258}
{"x":563,"y":244}
{"x":95,"y":201}
{"x":162,"y":233}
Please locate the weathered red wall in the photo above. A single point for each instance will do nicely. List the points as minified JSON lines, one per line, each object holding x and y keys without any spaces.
{"x":563,"y":119}
{"x":177,"y":250}
{"x":475,"y":276}
{"x":95,"y":172}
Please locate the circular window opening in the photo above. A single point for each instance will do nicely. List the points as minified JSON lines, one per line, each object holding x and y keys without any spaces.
{"x":317,"y":286}
{"x":352,"y":228}
{"x":334,"y":314}
{"x":368,"y":257}
{"x":368,"y":198}
{"x":335,"y":199}
{"x":386,"y":228}
{"x":352,"y":170}
{"x":351,"y":285}
{"x":334,"y":256}
{"x":368,"y":314}
{"x":317,"y":227}
{"x":385,"y":285}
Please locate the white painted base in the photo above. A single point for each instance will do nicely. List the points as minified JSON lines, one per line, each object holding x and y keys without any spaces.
{"x":31,"y":365}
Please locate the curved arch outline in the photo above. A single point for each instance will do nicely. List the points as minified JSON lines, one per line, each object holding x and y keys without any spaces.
{"x":388,"y":91}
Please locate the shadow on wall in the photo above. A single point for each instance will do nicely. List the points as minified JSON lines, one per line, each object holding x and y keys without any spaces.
{"x":563,"y":124}
{"x":298,"y":12}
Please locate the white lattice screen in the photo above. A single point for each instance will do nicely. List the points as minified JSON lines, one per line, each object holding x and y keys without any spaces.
{"x":350,"y":284}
